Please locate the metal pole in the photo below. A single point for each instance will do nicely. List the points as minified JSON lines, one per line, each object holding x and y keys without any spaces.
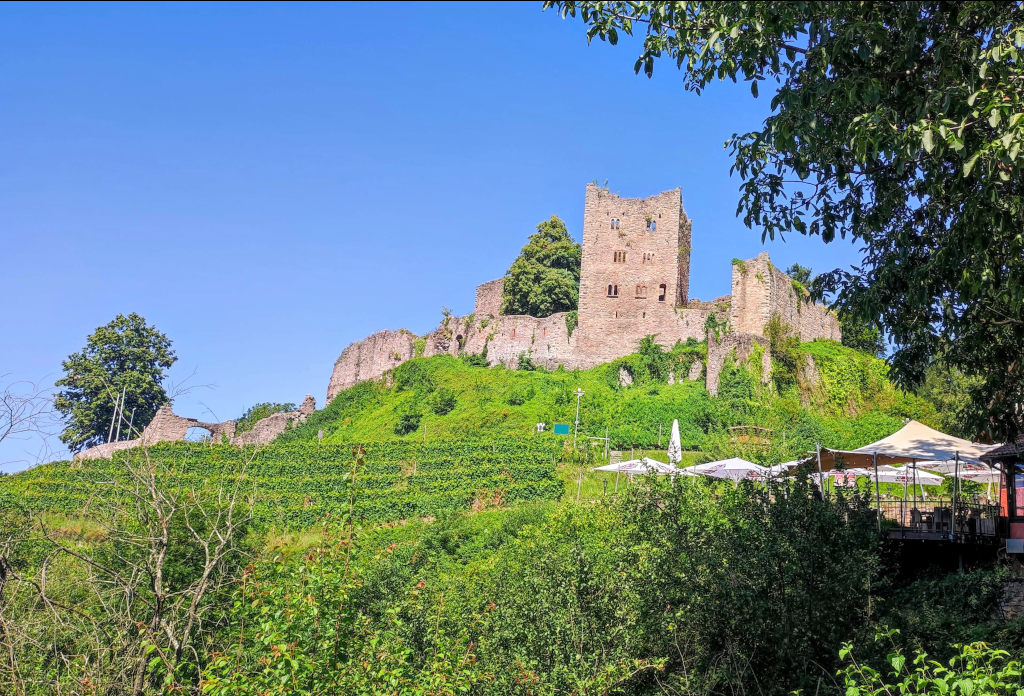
{"x":659,"y":435}
{"x":579,"y":394}
{"x":131,"y":421}
{"x":607,"y":443}
{"x":956,"y":483}
{"x":821,"y":477}
{"x":878,"y":495}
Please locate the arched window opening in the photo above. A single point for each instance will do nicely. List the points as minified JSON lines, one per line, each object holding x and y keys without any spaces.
{"x":197,"y":434}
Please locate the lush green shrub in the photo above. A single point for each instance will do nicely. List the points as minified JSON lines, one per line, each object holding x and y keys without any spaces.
{"x":408,"y":421}
{"x":475,"y":359}
{"x":975,"y":669}
{"x":526,"y":363}
{"x":784,"y":347}
{"x":442,"y":401}
{"x":414,"y":375}
{"x":259,"y":412}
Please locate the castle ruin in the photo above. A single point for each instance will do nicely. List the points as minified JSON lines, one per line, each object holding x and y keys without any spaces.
{"x":634,"y":282}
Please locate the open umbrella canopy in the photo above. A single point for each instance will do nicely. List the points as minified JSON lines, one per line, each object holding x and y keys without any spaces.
{"x":970,"y":471}
{"x":888,"y":474}
{"x":643,"y":465}
{"x":675,"y":446}
{"x":908,"y":475}
{"x":735,"y":469}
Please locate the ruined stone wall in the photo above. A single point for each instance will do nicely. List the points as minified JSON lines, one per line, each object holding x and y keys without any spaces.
{"x":759,"y":290}
{"x":369,"y":359}
{"x":167,"y":426}
{"x":545,"y":340}
{"x":489,"y":298}
{"x":721,"y":347}
{"x":266,"y":429}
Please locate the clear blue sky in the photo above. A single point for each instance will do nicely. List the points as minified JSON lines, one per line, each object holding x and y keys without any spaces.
{"x":267,"y":183}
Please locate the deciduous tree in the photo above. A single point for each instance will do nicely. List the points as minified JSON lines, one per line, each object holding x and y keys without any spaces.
{"x":126,"y":356}
{"x":545,"y":278}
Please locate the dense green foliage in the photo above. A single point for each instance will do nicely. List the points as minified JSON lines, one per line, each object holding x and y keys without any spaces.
{"x":976,"y":668}
{"x":949,"y":390}
{"x":545,"y":277}
{"x":259,"y":412}
{"x":126,"y":355}
{"x":900,"y":125}
{"x":852,"y":404}
{"x":686,"y":586}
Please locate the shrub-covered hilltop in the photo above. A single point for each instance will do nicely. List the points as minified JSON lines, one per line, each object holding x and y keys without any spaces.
{"x":848,"y":402}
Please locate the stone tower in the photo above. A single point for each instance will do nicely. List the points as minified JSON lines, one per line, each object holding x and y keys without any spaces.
{"x":635,"y":270}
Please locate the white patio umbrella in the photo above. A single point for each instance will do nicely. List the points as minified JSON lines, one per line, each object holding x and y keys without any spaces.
{"x":644,"y":465}
{"x":734,"y":469}
{"x":675,"y":446}
{"x":908,"y":475}
{"x":777,"y":470}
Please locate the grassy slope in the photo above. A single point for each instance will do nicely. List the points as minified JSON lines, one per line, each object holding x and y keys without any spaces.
{"x":853,"y":404}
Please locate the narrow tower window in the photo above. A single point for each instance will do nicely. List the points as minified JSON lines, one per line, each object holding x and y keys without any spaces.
{"x":662,"y":291}
{"x":619,"y":257}
{"x":613,"y":291}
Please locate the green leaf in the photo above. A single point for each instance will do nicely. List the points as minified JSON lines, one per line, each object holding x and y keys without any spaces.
{"x":969,"y":164}
{"x":927,"y":141}
{"x":753,"y":88}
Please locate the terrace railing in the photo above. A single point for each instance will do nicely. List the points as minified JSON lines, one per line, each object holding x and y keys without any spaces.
{"x":938,"y":518}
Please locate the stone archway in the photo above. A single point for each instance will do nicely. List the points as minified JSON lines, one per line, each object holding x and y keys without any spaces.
{"x":198,"y":433}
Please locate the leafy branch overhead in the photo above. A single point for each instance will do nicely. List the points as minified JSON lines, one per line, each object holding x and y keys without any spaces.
{"x":899,"y":125}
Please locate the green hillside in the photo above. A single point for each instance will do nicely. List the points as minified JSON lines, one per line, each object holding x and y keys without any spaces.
{"x":852,"y":403}
{"x":442,"y":435}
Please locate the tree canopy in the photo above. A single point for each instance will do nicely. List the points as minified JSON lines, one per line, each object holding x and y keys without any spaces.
{"x":897,"y":124}
{"x":545,"y":278}
{"x":126,"y":355}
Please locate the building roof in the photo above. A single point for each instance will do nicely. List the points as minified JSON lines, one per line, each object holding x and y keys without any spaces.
{"x":1009,"y":450}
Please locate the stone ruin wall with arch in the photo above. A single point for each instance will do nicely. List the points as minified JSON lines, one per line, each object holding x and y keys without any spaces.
{"x":634,"y":281}
{"x":167,"y":426}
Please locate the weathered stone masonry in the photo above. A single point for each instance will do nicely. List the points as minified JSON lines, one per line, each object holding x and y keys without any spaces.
{"x":634,"y":281}
{"x":167,"y":426}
